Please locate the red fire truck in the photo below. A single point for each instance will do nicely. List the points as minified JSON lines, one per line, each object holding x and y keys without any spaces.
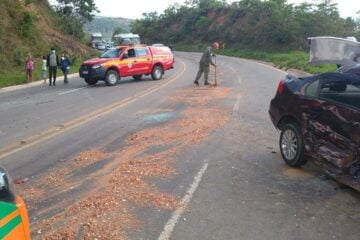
{"x":125,"y":61}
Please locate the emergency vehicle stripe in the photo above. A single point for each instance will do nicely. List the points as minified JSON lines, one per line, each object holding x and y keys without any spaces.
{"x":5,"y":230}
{"x":6,"y":219}
{"x":6,"y":209}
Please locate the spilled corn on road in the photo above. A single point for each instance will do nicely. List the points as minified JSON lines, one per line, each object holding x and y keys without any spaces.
{"x":165,"y":160}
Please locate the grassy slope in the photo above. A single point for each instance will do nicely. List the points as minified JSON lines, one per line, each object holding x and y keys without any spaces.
{"x":44,"y":34}
{"x":284,"y":60}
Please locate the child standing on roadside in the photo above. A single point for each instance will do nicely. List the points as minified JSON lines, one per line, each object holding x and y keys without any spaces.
{"x":65,"y":66}
{"x":43,"y":69}
{"x":29,"y":67}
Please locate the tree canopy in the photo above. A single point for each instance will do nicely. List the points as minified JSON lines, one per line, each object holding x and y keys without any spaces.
{"x":254,"y":23}
{"x":74,"y":14}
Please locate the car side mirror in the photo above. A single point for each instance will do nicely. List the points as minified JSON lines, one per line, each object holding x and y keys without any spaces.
{"x":6,"y":190}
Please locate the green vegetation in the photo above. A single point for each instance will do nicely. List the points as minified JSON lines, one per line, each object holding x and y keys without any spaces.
{"x":74,"y":14}
{"x":33,"y":27}
{"x":271,"y":30}
{"x":267,"y":30}
{"x":284,"y":60}
{"x":19,"y":33}
{"x":18,"y":76}
{"x":254,"y":24}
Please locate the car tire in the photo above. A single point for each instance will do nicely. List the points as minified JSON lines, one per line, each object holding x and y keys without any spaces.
{"x":292,"y":145}
{"x":157,"y":72}
{"x":91,"y":81}
{"x":137,"y":77}
{"x":112,"y":78}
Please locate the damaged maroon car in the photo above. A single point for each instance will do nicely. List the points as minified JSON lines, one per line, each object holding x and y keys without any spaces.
{"x":319,"y":116}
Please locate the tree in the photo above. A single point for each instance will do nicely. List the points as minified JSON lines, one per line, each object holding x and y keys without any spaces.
{"x":118,"y":30}
{"x":272,"y":24}
{"x":81,"y":9}
{"x":74,"y":14}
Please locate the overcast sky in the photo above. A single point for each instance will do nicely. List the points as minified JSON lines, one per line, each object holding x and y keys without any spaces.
{"x":134,"y":8}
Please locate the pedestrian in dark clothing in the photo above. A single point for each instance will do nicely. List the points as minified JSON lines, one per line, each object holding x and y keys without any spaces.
{"x":65,"y":67}
{"x":205,"y":62}
{"x":52,"y":63}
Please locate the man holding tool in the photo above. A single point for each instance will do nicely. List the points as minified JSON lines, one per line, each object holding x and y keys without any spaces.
{"x":205,"y":62}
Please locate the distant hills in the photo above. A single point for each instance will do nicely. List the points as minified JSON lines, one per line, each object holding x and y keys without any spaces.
{"x":107,"y":25}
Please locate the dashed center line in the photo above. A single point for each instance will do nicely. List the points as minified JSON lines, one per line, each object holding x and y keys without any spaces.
{"x":74,"y":90}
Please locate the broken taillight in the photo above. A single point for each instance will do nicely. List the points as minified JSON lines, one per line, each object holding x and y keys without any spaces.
{"x":280,"y":88}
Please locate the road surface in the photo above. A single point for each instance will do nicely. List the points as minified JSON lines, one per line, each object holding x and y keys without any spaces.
{"x":166,"y":160}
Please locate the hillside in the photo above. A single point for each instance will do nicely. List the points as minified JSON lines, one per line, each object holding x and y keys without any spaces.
{"x":31,"y":27}
{"x":107,"y":25}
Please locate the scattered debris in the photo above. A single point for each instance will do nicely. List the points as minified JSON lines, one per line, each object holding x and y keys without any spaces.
{"x":105,"y":212}
{"x":21,"y":180}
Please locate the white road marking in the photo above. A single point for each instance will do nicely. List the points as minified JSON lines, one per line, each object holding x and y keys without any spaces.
{"x":170,"y":225}
{"x":239,"y":80}
{"x":237,"y":104}
{"x":74,"y":90}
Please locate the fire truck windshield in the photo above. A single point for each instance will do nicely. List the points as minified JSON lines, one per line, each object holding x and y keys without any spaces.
{"x":112,"y":53}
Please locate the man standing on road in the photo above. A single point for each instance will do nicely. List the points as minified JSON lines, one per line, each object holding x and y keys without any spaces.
{"x":53,"y":63}
{"x":205,"y":62}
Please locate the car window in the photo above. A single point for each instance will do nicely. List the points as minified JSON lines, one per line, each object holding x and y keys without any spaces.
{"x":131,"y":53}
{"x":140,"y":52}
{"x":344,"y":91}
{"x":311,"y":89}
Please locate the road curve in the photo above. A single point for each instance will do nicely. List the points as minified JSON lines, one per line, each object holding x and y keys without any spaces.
{"x":166,"y":160}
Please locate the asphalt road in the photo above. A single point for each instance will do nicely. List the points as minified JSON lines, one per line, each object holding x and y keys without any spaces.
{"x":166,"y":160}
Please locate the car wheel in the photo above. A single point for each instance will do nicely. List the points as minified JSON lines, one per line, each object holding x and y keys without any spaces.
{"x":112,"y":78}
{"x":91,"y":81}
{"x":137,"y":77}
{"x":157,"y":73}
{"x":292,"y":145}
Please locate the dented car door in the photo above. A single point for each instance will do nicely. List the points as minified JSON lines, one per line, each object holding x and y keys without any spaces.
{"x":330,"y":138}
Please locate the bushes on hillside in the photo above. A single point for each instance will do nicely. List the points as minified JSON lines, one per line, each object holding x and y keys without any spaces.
{"x":26,"y":24}
{"x":252,"y":23}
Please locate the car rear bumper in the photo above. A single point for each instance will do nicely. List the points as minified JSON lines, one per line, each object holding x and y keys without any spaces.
{"x":274,"y":113}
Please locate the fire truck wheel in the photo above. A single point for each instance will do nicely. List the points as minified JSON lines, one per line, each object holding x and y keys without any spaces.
{"x":112,"y":78}
{"x":157,"y":73}
{"x":91,"y":81}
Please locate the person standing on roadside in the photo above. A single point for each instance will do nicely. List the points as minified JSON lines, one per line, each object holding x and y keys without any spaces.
{"x":29,"y":67}
{"x":52,"y":63}
{"x":43,"y":69}
{"x":65,"y":66}
{"x":205,"y":62}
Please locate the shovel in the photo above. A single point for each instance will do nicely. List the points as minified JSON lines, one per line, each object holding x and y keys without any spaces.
{"x":215,"y":73}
